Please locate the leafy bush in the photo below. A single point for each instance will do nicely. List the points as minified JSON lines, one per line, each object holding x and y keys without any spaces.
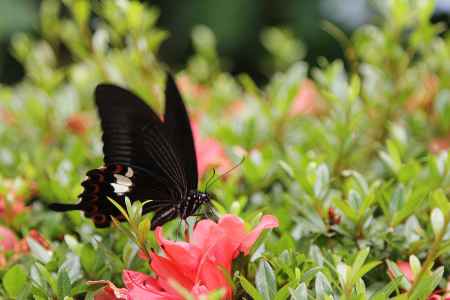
{"x":351,"y":156}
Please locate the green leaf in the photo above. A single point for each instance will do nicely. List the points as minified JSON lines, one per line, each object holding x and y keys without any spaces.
{"x":15,"y":280}
{"x":360,"y":259}
{"x":216,"y":295}
{"x":354,"y":88}
{"x":310,"y":274}
{"x":415,"y":265}
{"x":143,"y":230}
{"x":88,"y":258}
{"x":322,"y":286}
{"x":38,"y":251}
{"x":440,"y":200}
{"x":121,"y":209}
{"x":359,"y":179}
{"x":394,"y":269}
{"x":81,"y":10}
{"x":393,"y":157}
{"x":367,"y":268}
{"x":348,"y":211}
{"x":427,"y":285}
{"x":250,"y":289}
{"x":287,"y":168}
{"x":300,"y":293}
{"x":48,"y":277}
{"x":283,"y":293}
{"x":437,"y":221}
{"x":265,"y":280}
{"x":414,"y":199}
{"x":386,"y":291}
{"x":322,"y":181}
{"x":64,"y":285}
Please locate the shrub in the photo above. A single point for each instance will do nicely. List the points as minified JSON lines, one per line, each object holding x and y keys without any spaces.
{"x":351,"y":156}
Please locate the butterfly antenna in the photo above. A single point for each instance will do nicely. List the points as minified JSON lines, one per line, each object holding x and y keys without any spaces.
{"x":178,"y":229}
{"x":229,"y":171}
{"x":209,"y":179}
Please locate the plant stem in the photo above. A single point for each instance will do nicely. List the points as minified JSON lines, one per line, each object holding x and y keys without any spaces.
{"x":431,"y":256}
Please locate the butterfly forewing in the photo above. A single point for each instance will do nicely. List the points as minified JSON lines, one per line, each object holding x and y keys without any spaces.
{"x":176,"y":121}
{"x":123,"y":116}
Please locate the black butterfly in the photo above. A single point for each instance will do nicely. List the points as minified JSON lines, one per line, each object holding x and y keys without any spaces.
{"x":145,"y":158}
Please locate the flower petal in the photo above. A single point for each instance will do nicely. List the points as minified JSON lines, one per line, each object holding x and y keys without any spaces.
{"x":8,"y":239}
{"x":186,"y":256}
{"x":209,"y":152}
{"x":109,"y":291}
{"x":227,"y":248}
{"x":202,"y":235}
{"x":405,"y":268}
{"x":166,"y":269}
{"x":267,"y":221}
{"x":143,"y":287}
{"x":213,"y":278}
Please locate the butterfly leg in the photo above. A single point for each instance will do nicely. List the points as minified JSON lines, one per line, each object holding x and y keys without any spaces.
{"x":210,"y":213}
{"x":186,"y":230}
{"x":178,"y":230}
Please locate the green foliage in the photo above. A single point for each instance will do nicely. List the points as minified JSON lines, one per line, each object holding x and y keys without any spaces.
{"x":15,"y":280}
{"x":359,"y":181}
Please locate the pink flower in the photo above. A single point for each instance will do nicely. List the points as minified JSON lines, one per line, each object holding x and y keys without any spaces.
{"x":438,"y":145}
{"x":78,"y":123}
{"x":209,"y":152}
{"x":9,"y":211}
{"x":8,"y":239}
{"x":307,"y":101}
{"x":24,"y":247}
{"x":405,"y":268}
{"x":7,"y":116}
{"x":423,"y":97}
{"x":12,"y":203}
{"x":8,"y":242}
{"x":190,"y":88}
{"x":198,"y":265}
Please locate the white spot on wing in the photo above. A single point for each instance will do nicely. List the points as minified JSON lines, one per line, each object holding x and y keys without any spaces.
{"x":120,"y":189}
{"x":129,"y":172}
{"x":122,"y":180}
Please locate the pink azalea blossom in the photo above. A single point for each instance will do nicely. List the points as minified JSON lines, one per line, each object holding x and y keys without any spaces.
{"x":12,"y":203}
{"x":209,"y":151}
{"x":438,"y":145}
{"x":8,"y":242}
{"x":8,"y":211}
{"x":8,"y":239}
{"x":425,"y":94}
{"x":78,"y":123}
{"x":307,"y":101}
{"x":190,"y":88}
{"x":200,"y":265}
{"x":405,"y":268}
